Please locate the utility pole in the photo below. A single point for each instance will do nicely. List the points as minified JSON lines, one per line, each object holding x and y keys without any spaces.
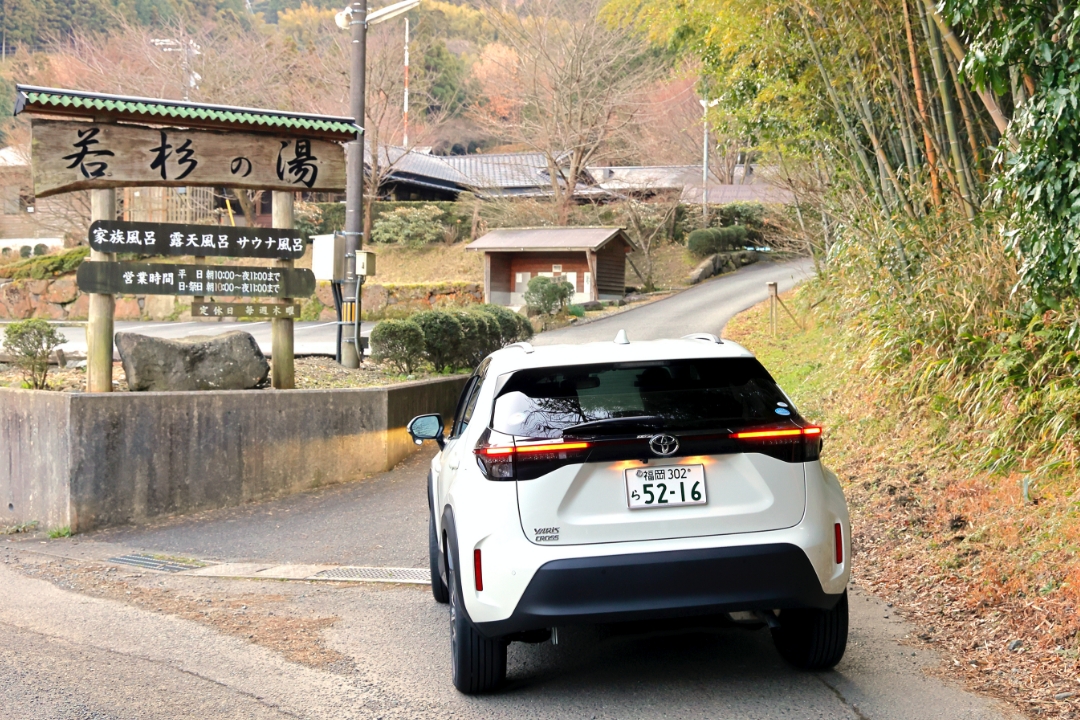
{"x":354,"y":188}
{"x":705,"y":105}
{"x":405,"y":137}
{"x":356,"y":19}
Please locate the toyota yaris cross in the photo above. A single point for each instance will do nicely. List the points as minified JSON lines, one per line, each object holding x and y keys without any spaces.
{"x":631,"y":481}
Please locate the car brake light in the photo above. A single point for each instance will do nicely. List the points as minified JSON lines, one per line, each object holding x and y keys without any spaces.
{"x":792,"y":444}
{"x":838,"y":532}
{"x":525,"y":461}
{"x":478,"y":571}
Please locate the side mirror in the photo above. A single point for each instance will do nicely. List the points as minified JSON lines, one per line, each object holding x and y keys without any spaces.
{"x":426,"y":427}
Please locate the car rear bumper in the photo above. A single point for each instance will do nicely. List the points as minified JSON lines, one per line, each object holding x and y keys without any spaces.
{"x":674,"y":583}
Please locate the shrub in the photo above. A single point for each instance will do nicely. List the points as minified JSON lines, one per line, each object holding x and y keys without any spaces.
{"x":747,"y":214}
{"x":525,"y":328}
{"x":398,"y":342}
{"x":576,"y":311}
{"x":710,"y":241}
{"x":47,"y":266}
{"x":24,"y":251}
{"x":548,"y":295}
{"x":30,"y":342}
{"x":488,"y":336}
{"x":443,"y":337}
{"x":307,"y":218}
{"x":41,"y":249}
{"x":412,"y":227}
{"x":471,"y":331}
{"x":6,"y":251}
{"x":509,"y":329}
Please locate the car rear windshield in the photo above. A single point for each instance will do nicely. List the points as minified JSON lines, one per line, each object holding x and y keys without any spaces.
{"x":625,"y":398}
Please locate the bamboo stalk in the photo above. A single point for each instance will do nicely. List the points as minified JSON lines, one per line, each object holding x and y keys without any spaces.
{"x":916,"y":74}
{"x":937,"y":58}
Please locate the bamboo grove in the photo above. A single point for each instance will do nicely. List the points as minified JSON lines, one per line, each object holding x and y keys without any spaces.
{"x":934,"y":153}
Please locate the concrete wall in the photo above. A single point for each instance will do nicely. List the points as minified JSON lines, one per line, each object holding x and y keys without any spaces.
{"x":90,"y":461}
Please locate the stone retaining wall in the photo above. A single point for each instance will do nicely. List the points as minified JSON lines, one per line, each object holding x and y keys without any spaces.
{"x":60,"y":299}
{"x":88,"y":461}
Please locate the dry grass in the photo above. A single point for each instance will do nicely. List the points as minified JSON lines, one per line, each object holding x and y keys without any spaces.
{"x":435,"y":263}
{"x":988,"y":574}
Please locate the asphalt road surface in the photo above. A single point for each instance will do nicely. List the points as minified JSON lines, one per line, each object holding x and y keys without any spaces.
{"x":703,"y":308}
{"x":72,"y":654}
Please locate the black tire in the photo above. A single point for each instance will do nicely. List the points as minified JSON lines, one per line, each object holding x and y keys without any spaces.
{"x":438,"y":587}
{"x":813,"y":639}
{"x":478,"y":663}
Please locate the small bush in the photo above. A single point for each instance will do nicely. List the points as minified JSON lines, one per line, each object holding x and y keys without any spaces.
{"x":30,"y":342}
{"x":576,"y":311}
{"x":25,"y":251}
{"x":508,"y":328}
{"x":747,"y":214}
{"x":548,"y":295}
{"x":487,"y":336}
{"x":6,"y":252}
{"x":525,"y":328}
{"x":307,"y":218}
{"x":47,"y":266}
{"x":443,"y":337}
{"x":411,"y":227}
{"x":710,"y":241}
{"x":41,"y":249}
{"x":398,"y":342}
{"x":472,"y":331}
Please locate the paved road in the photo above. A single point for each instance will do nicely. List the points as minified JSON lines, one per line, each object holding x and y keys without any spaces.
{"x":310,"y":338}
{"x":704,"y":308}
{"x":64,"y":654}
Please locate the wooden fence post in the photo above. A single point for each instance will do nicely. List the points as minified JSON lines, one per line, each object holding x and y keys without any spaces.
{"x":99,"y":329}
{"x":282,"y":370}
{"x":772,"y":307}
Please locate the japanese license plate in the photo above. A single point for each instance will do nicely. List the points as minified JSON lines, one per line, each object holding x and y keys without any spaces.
{"x":653,"y":487}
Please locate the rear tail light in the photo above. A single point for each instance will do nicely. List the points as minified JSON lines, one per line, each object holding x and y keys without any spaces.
{"x":839,"y":539}
{"x":503,"y":458}
{"x":478,"y":570}
{"x":790,"y":444}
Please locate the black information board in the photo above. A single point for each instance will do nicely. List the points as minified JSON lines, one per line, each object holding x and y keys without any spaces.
{"x":134,"y":278}
{"x":264,"y":311}
{"x":113,"y":236}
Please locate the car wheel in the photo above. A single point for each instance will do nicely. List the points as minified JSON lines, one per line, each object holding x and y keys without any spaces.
{"x":438,"y":587}
{"x":478,"y":663}
{"x":813,"y":639}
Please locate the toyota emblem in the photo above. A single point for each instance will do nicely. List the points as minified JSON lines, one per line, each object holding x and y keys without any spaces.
{"x":663,"y":445}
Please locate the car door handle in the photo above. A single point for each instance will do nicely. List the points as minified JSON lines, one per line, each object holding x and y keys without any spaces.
{"x":454,"y":462}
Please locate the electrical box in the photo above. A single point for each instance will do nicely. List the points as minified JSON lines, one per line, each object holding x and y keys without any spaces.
{"x":365,"y":263}
{"x":328,"y":257}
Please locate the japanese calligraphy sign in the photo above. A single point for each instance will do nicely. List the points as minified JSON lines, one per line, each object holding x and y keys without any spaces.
{"x":243,"y":310}
{"x":200,"y":240}
{"x":220,"y":280}
{"x":80,"y":155}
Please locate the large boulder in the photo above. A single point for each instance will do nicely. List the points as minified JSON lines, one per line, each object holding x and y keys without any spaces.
{"x":232,"y":361}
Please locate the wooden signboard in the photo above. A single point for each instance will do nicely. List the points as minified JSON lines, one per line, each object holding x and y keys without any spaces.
{"x":81,"y":155}
{"x":133,"y":278}
{"x":112,"y":236}
{"x":265,"y":311}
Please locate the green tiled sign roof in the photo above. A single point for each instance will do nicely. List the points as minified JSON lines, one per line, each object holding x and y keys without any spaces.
{"x":54,"y":101}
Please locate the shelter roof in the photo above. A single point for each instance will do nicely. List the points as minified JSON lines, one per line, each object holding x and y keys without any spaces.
{"x":157,"y":111}
{"x":549,"y":238}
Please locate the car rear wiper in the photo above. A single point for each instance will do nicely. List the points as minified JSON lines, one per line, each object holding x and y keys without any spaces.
{"x":612,"y":422}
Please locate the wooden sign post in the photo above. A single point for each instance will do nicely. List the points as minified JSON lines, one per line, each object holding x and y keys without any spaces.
{"x":121,"y":141}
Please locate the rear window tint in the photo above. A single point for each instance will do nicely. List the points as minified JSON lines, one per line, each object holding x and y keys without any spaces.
{"x":622,"y":398}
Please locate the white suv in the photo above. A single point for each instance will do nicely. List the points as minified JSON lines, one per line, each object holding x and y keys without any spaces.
{"x":631,"y":481}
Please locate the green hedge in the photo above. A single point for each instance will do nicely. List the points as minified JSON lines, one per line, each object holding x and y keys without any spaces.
{"x":714,"y":240}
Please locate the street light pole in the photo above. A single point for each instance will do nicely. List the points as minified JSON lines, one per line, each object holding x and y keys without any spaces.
{"x":354,"y":188}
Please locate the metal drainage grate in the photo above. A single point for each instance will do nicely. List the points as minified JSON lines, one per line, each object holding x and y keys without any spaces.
{"x":376,"y":574}
{"x":149,"y":562}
